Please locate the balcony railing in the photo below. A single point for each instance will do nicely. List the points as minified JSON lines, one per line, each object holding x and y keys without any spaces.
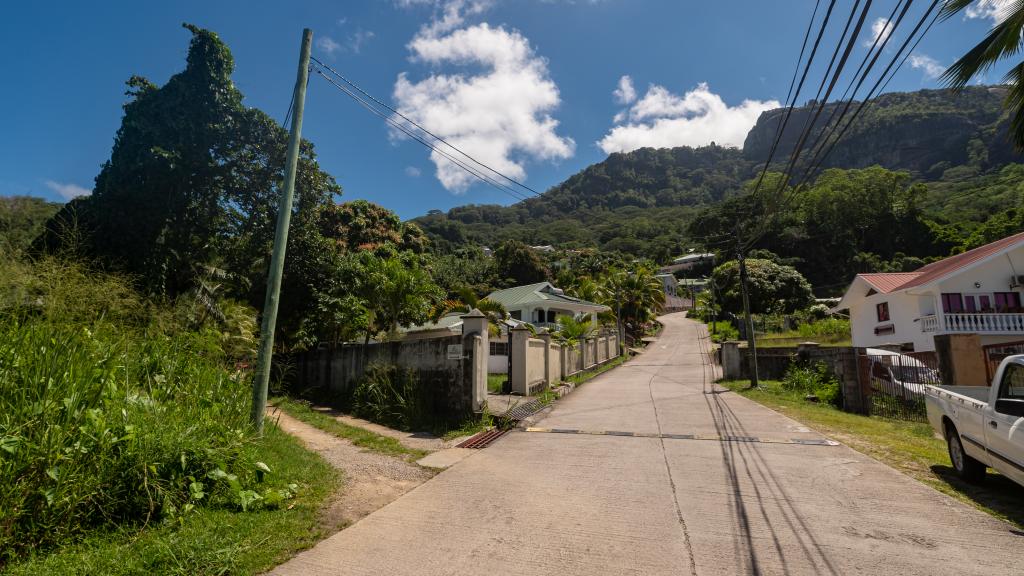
{"x":974,"y":322}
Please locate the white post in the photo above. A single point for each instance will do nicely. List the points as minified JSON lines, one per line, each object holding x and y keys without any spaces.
{"x":475,"y":323}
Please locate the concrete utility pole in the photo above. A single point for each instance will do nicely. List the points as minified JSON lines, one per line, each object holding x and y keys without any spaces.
{"x":284,"y":216}
{"x":751,"y":341}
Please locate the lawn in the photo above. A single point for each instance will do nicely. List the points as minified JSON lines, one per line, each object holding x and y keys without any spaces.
{"x":208,"y":540}
{"x":359,"y":436}
{"x":495,"y":382}
{"x":909,"y":447}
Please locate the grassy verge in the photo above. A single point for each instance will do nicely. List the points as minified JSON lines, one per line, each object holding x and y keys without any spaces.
{"x":359,"y":436}
{"x":208,"y":540}
{"x":909,"y":447}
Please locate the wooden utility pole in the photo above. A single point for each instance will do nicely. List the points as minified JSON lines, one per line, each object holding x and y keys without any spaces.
{"x":284,"y":216}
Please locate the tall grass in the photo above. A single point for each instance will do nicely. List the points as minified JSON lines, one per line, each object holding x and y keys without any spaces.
{"x":107,"y":419}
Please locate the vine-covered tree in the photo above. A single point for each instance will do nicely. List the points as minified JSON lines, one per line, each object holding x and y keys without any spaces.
{"x":518,"y":264}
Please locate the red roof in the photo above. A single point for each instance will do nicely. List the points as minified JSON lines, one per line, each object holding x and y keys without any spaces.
{"x":942,"y":268}
{"x":886,"y":282}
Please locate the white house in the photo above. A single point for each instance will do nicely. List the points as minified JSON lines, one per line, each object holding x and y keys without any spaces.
{"x":541,"y":304}
{"x":977,"y":292}
{"x":669,"y":284}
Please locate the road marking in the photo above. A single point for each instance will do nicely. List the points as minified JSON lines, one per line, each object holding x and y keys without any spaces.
{"x":711,"y":437}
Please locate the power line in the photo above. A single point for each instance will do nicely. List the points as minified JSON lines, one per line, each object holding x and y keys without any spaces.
{"x":424,"y":130}
{"x":482,"y":177}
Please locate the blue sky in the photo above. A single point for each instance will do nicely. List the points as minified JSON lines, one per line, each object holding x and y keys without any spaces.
{"x":532,"y":87}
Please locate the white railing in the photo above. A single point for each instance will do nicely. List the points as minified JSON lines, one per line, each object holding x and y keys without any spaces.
{"x":974,"y":322}
{"x":929,"y":323}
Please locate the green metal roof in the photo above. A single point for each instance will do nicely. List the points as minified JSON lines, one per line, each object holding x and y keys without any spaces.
{"x":534,"y":294}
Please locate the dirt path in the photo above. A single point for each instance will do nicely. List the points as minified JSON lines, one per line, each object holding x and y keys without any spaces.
{"x":372,"y":480}
{"x":414,"y":440}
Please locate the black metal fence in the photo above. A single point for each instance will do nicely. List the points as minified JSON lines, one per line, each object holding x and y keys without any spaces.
{"x":894,"y":383}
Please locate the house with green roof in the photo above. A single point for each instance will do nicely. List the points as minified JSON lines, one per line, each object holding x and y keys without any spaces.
{"x":541,"y":304}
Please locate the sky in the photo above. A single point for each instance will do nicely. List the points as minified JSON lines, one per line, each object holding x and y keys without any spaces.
{"x":536,"y":89}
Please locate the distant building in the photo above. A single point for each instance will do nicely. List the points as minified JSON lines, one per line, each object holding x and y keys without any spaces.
{"x":689,"y":262}
{"x":669,"y":283}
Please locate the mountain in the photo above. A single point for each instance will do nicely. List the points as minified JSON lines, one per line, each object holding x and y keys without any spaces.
{"x":641,"y":202}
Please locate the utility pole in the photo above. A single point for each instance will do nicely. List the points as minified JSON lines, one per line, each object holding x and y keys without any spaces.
{"x":284,"y":216}
{"x":751,"y":341}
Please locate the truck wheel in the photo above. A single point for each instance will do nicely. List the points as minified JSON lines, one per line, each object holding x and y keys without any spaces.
{"x":966,"y":467}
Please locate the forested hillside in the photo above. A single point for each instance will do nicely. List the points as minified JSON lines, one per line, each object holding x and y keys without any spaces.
{"x":945,"y":171}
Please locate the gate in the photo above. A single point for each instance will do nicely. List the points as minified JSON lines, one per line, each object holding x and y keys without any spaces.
{"x":894,"y":383}
{"x":995,"y":353}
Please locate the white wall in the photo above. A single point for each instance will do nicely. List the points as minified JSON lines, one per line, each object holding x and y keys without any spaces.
{"x":993,"y":276}
{"x":497,"y":364}
{"x":904,"y":310}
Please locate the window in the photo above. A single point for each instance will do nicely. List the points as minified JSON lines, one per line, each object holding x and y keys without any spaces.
{"x":882,"y":309}
{"x":952,"y":303}
{"x":499,"y":348}
{"x":1012,"y":386}
{"x":1007,"y":301}
{"x":516,"y":314}
{"x":985,"y":303}
{"x":969,"y":305}
{"x":551,"y":316}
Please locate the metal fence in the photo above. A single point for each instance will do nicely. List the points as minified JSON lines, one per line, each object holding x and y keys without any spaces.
{"x":894,"y":383}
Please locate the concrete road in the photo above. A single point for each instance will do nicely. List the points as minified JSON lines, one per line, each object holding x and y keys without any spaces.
{"x":677,"y":501}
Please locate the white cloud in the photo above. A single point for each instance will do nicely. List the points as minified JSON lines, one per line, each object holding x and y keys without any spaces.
{"x":67,"y":191}
{"x":663,"y":120}
{"x":412,"y":172}
{"x":353,"y":42}
{"x":327,"y":45}
{"x":625,"y":93}
{"x":995,"y":10}
{"x":930,"y":66}
{"x":881,"y":28}
{"x":497,"y":108}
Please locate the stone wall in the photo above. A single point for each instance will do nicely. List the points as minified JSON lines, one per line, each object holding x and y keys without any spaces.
{"x":772,"y":364}
{"x":539,"y":362}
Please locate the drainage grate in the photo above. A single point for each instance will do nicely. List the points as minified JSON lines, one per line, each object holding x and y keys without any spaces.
{"x":524,"y":411}
{"x":483,"y":439}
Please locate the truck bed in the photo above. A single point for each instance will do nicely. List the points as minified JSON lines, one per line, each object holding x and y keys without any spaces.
{"x":964,"y":394}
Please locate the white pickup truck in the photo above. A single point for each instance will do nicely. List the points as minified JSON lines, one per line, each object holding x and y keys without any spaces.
{"x":983,"y":427}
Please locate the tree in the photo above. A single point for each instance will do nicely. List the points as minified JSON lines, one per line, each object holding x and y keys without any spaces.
{"x":572,"y":331}
{"x":363,"y":225}
{"x":636,"y":296}
{"x":772,"y":287}
{"x":397,"y":290}
{"x":192,"y":182}
{"x":519,"y":264}
{"x":1003,"y":41}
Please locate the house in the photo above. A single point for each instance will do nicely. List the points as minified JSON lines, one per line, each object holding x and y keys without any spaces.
{"x":977,"y":292}
{"x":541,"y":304}
{"x":670,"y":284}
{"x":689,"y":262}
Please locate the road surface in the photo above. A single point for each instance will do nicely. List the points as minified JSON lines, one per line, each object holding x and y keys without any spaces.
{"x":673,"y":498}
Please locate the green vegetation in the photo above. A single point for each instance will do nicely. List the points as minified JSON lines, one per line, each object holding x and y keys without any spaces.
{"x":208,"y":541}
{"x":495,"y":382}
{"x":771,"y":288}
{"x":123,"y":424}
{"x":359,"y":436}
{"x":723,"y":331}
{"x":21,"y":220}
{"x":909,"y":447}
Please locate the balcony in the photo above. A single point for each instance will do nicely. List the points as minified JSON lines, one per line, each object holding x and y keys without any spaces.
{"x":974,"y":323}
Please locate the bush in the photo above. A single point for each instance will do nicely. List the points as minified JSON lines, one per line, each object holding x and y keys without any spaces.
{"x":814,"y":379}
{"x":108,"y":422}
{"x":390,"y":396}
{"x":724,"y":331}
{"x":833,"y":328}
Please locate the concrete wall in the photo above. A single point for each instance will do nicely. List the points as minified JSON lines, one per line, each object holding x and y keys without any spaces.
{"x":772,"y":364}
{"x":539,"y":362}
{"x":444,"y":368}
{"x":961,"y":360}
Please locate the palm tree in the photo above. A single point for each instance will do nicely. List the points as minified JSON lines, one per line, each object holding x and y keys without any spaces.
{"x":1003,"y":41}
{"x":468,"y":300}
{"x":573,"y":330}
{"x":639,"y":296}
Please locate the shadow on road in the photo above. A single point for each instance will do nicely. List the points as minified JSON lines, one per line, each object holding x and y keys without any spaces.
{"x":766,"y":503}
{"x":997,"y":492}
